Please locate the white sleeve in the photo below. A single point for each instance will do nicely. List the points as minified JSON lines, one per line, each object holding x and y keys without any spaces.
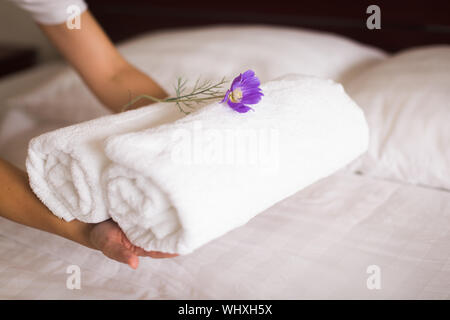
{"x":50,"y":11}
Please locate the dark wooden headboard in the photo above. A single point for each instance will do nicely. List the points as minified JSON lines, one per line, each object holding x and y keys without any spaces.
{"x":404,"y":23}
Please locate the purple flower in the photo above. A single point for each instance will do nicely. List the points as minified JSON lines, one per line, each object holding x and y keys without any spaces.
{"x":244,"y":90}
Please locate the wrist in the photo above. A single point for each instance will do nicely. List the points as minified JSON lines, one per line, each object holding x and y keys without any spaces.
{"x":80,"y":232}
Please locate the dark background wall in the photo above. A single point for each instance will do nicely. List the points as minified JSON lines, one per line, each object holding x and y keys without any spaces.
{"x":403,"y":23}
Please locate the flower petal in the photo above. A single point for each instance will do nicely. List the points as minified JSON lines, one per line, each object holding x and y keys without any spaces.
{"x":248,"y":74}
{"x":252,"y":98}
{"x":227,"y":96}
{"x":247,"y":90}
{"x":239,"y":107}
{"x":251,"y":82}
{"x":248,"y":84}
{"x":236,"y":82}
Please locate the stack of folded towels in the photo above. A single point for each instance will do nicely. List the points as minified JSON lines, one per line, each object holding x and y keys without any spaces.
{"x":175,"y":182}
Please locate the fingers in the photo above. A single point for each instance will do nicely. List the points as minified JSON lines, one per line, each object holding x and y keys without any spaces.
{"x":124,"y":255}
{"x":133,"y":262}
{"x":108,"y":238}
{"x":153,"y":254}
{"x":129,"y":258}
{"x":161,"y":255}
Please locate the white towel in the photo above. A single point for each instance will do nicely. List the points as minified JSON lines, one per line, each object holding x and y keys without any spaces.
{"x":65,"y":166}
{"x":175,"y":187}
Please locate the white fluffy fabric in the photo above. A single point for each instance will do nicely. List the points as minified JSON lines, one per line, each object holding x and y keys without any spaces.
{"x":406,"y":100}
{"x":64,"y":166}
{"x":174,"y":187}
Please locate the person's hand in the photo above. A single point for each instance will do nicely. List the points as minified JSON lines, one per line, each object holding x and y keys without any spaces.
{"x":18,"y":203}
{"x":107,"y":237}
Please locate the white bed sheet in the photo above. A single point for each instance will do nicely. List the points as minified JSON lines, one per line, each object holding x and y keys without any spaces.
{"x":315,"y":244}
{"x":16,"y":126}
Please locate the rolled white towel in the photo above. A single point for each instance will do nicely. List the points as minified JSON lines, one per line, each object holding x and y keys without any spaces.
{"x":175,"y":187}
{"x":65,"y":166}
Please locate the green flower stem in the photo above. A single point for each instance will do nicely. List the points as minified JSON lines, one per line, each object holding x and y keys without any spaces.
{"x":143,"y":96}
{"x":200,"y":93}
{"x":186,"y":98}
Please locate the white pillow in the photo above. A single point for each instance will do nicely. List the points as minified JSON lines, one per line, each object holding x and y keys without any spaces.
{"x":406,"y":100}
{"x":212,"y":53}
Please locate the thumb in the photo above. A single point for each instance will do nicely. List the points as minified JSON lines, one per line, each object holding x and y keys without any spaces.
{"x":133,"y":261}
{"x":125,"y":256}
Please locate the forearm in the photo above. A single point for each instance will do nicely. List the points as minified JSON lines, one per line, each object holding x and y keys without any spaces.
{"x":19,"y":204}
{"x":110,"y":77}
{"x":125,"y":84}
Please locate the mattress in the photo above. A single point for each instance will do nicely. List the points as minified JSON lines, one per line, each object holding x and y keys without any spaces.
{"x":318,"y":243}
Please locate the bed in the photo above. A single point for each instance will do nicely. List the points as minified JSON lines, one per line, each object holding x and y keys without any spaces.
{"x":321,"y":243}
{"x":317,"y":244}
